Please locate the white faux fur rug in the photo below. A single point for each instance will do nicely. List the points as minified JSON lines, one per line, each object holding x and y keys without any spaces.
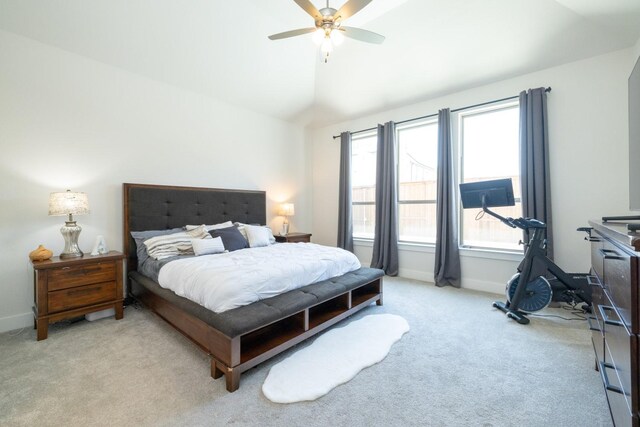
{"x":333,"y":359}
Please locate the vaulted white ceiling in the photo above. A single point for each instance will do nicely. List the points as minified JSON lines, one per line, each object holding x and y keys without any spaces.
{"x":220,"y":48}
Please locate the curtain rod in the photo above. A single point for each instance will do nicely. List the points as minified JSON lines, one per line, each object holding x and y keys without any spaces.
{"x":548,"y":89}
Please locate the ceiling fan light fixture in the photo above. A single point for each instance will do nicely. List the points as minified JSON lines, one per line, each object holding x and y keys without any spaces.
{"x":326,"y":47}
{"x":336,"y":37}
{"x":318,"y":36}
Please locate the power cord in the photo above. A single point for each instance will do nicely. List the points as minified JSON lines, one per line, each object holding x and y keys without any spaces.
{"x":573,"y":308}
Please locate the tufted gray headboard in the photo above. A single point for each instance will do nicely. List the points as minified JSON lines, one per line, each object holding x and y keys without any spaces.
{"x":161,"y":207}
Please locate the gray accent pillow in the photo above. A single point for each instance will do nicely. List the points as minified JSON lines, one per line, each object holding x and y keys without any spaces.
{"x":141,"y":236}
{"x":231,"y":238}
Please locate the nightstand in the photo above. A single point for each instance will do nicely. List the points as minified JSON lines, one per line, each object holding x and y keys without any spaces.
{"x":294,"y":238}
{"x":66,"y":288}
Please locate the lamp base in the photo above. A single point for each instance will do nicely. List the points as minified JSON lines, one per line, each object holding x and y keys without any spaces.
{"x":285,"y":229}
{"x":71,"y":231}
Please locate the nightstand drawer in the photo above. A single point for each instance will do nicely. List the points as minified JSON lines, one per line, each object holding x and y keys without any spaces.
{"x":298,"y":239}
{"x":70,"y":277}
{"x":294,"y":238}
{"x":81,"y":296}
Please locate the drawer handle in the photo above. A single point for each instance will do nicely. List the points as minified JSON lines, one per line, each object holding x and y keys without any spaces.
{"x":591,"y":327}
{"x":605,"y":378}
{"x":603,"y":312}
{"x":83,"y":291}
{"x":594,"y":239}
{"x":593,"y":280}
{"x":606,"y":254}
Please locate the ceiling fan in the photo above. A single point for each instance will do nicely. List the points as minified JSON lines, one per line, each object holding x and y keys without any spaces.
{"x":328,"y":28}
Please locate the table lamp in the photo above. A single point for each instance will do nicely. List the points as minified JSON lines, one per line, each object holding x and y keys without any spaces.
{"x":69,"y":203}
{"x":286,"y":210}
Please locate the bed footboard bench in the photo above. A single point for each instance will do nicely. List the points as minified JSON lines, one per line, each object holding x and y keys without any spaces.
{"x":240,"y":339}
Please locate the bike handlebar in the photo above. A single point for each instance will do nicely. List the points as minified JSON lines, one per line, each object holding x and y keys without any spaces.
{"x":522,"y":223}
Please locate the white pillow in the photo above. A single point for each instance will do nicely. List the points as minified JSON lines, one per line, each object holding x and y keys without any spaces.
{"x":210,"y":227}
{"x":208,"y":246}
{"x":243,"y":231}
{"x":258,"y":236}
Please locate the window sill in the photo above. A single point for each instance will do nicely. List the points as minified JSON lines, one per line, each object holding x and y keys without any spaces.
{"x":491,"y":254}
{"x":495,"y":254}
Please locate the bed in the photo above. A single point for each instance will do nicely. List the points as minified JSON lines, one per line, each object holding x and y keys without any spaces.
{"x":241,"y":338}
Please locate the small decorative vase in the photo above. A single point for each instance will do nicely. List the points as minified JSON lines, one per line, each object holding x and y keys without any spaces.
{"x":40,"y":254}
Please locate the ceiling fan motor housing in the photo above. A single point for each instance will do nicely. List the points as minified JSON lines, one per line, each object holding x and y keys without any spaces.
{"x":328,"y":18}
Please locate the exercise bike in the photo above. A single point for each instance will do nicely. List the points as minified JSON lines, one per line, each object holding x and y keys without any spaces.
{"x":530,"y":289}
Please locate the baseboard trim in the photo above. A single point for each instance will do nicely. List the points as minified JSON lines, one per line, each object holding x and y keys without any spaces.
{"x":424,"y":276}
{"x":17,"y":321}
{"x":484,"y":286}
{"x":475,"y":285}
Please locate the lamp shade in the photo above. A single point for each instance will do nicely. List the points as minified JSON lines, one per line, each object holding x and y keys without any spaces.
{"x":287,"y":209}
{"x":68,"y":202}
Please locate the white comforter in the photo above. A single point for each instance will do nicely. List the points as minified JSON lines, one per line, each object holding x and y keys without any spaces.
{"x":224,"y":281}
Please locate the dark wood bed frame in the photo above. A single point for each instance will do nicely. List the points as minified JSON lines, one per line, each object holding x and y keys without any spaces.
{"x":230,"y":356}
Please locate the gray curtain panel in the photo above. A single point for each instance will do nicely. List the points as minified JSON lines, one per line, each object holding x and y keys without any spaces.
{"x":345,"y":214}
{"x":534,"y":160}
{"x":447,"y":263}
{"x":385,"y":241}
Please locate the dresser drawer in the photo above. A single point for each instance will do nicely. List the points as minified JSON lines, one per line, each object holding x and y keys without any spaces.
{"x":618,"y":349}
{"x":67,"y":299}
{"x":617,"y":281}
{"x":69,"y":277}
{"x":597,"y":257}
{"x":616,"y":395}
{"x":596,"y":324}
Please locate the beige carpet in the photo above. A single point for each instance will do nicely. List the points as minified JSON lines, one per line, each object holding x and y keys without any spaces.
{"x":462,"y":364}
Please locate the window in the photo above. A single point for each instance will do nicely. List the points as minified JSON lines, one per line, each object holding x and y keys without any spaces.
{"x":363,"y":184}
{"x":490,"y":150}
{"x":487,"y":141}
{"x":417,"y":173}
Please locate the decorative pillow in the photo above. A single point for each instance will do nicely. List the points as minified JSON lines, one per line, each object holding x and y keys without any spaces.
{"x":241,"y":228}
{"x":243,"y":231}
{"x":207,"y":246}
{"x":161,"y":247}
{"x":258,"y":236}
{"x":210,"y":227}
{"x":141,"y":236}
{"x":231,"y":238}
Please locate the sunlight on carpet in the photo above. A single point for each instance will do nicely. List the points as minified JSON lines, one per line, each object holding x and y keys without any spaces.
{"x":333,"y":359}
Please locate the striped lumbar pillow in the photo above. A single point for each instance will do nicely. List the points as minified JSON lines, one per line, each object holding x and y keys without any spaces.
{"x":169,"y":245}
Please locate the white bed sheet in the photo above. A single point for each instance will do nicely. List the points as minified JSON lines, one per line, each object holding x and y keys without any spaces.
{"x":225,"y":281}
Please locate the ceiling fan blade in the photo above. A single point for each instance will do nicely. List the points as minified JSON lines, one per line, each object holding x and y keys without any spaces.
{"x":362,"y":35}
{"x":350,"y":8}
{"x":309,"y":8}
{"x":291,"y":33}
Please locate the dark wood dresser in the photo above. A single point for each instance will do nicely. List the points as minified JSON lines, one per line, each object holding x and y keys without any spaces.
{"x":614,"y":319}
{"x":66,"y":288}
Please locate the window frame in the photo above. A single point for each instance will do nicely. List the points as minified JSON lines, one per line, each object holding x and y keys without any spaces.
{"x":362,"y":135}
{"x":413,"y":124}
{"x":458,"y":136}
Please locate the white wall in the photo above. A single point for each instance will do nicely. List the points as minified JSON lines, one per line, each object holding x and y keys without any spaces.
{"x":70,"y":122}
{"x":588,"y":132}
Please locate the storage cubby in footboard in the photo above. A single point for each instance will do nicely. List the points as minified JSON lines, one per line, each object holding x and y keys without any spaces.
{"x":367,"y":293}
{"x":259,"y":345}
{"x":269,"y":337}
